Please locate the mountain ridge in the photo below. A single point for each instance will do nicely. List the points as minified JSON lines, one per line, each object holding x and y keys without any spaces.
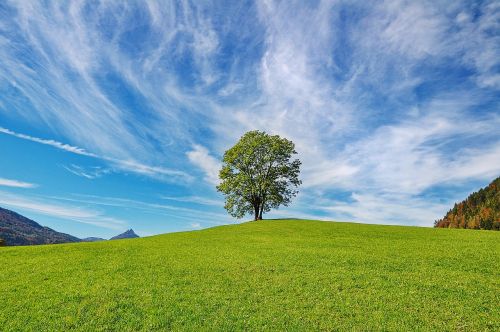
{"x":18,"y":230}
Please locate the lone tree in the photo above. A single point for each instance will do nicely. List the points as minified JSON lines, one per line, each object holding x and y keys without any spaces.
{"x":258,"y":174}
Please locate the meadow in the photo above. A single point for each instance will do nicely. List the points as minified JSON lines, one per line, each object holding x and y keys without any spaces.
{"x":268,"y":275}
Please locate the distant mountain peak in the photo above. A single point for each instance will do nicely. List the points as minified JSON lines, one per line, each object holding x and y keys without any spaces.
{"x":129,"y":234}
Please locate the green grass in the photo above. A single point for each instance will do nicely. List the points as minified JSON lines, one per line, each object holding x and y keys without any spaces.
{"x":266,"y":275}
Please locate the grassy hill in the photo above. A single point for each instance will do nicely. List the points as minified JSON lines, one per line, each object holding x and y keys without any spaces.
{"x":266,"y":275}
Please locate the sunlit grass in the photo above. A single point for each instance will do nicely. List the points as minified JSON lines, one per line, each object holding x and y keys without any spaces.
{"x":271,"y":275}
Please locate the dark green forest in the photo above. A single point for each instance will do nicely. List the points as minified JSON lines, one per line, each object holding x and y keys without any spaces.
{"x":481,"y":210}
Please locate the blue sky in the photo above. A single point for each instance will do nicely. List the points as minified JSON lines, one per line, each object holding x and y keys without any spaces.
{"x":115,"y":114}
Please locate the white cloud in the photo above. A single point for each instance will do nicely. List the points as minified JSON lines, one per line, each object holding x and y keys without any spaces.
{"x":170,"y":210}
{"x":201,"y":158}
{"x":344,"y":89}
{"x":70,"y":58}
{"x":53,"y":209}
{"x":58,"y":145}
{"x":413,"y":29}
{"x":88,"y":173}
{"x":154,"y":171}
{"x":195,"y":225}
{"x":16,"y":183}
{"x":157,"y":172}
{"x":479,"y":46}
{"x":388,"y":209}
{"x":194,"y":199}
{"x":343,"y":141}
{"x":413,"y":156}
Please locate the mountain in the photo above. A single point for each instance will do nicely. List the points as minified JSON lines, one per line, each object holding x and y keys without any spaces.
{"x":130,"y":234}
{"x":17,"y":230}
{"x":92,"y":239}
{"x":481,"y":210}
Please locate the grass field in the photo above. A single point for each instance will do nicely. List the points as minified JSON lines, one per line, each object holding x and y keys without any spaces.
{"x":266,"y":275}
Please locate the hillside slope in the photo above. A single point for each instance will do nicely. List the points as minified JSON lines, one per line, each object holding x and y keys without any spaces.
{"x":481,"y":210}
{"x":267,"y":275}
{"x":17,"y":230}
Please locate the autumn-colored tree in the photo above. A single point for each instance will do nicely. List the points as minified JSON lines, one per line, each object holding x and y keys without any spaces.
{"x":481,"y":210}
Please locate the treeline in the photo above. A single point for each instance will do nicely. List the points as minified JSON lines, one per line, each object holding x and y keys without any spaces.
{"x":481,"y":210}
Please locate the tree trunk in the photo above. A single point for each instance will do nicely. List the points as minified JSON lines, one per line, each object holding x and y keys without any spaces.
{"x":256,"y":214}
{"x":261,"y":208}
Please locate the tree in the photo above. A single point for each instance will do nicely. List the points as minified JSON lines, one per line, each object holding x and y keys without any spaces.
{"x":2,"y":243}
{"x":258,"y":174}
{"x":481,"y":210}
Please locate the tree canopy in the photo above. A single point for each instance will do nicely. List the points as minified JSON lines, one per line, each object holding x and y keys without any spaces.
{"x":481,"y":210}
{"x":259,"y":174}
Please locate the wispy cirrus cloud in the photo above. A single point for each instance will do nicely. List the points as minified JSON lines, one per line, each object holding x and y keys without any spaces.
{"x":56,"y":209}
{"x":410,"y":142}
{"x":387,"y":99}
{"x":158,"y":172}
{"x":16,"y":183}
{"x":50,"y":142}
{"x":387,"y":209}
{"x":169,"y":210}
{"x":89,"y":172}
{"x":194,"y":199}
{"x":80,"y":65}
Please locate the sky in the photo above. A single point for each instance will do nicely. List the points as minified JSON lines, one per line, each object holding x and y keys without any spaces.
{"x":115,"y":114}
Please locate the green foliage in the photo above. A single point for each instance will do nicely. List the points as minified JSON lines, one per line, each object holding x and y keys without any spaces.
{"x":2,"y":243}
{"x":258,"y":174}
{"x":481,"y":210}
{"x":281,"y":275}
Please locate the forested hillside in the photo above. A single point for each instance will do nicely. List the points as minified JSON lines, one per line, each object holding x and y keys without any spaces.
{"x":481,"y":210}
{"x":17,"y":230}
